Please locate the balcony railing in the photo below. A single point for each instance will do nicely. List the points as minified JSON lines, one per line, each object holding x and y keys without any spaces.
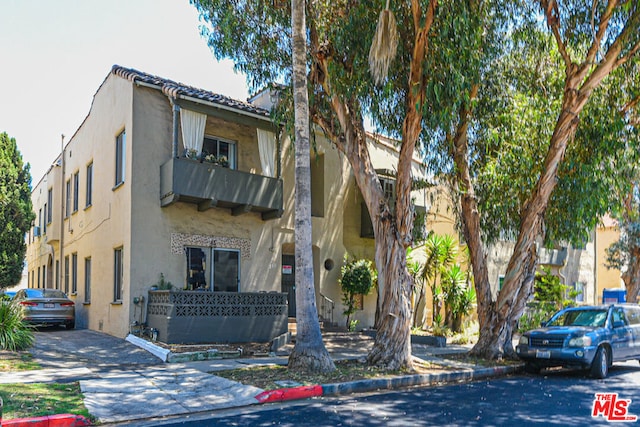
{"x":213,"y":186}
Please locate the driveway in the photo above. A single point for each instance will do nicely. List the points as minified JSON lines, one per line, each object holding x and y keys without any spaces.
{"x":62,"y":348}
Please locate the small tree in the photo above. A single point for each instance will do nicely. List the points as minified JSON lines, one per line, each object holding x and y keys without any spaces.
{"x":459,"y":296}
{"x":15,"y":211}
{"x":357,"y":278}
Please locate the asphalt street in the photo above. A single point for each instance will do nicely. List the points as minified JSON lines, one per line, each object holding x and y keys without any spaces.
{"x":557,"y":398}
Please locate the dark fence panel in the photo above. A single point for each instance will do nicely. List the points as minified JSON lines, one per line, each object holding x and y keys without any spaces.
{"x":194,"y":317}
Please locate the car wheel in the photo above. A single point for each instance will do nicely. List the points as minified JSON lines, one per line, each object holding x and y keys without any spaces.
{"x":600,"y":364}
{"x":531,"y":368}
{"x":71,"y":325}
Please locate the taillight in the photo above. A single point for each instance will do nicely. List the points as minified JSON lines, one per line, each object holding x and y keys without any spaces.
{"x":67,"y":304}
{"x":29,"y":303}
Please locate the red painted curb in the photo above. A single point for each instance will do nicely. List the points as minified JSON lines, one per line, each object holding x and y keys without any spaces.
{"x":60,"y":420}
{"x":294,"y":393}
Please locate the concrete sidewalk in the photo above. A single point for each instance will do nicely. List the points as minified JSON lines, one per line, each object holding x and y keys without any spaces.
{"x":145,"y":391}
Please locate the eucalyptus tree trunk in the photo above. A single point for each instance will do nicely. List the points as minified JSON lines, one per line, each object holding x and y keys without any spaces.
{"x":499,"y":318}
{"x":309,"y":352}
{"x":392,"y":229}
{"x":631,"y":277}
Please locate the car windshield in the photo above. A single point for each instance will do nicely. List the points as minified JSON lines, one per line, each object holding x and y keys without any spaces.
{"x":44,"y":293}
{"x":594,"y":318}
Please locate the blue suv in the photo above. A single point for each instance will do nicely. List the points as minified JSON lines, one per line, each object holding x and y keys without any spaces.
{"x":589,"y":337}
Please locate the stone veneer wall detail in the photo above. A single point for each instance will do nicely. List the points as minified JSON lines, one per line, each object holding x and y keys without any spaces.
{"x":179,"y":241}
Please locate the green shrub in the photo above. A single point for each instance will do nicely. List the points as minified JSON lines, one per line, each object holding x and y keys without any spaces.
{"x":357,"y":278}
{"x":549,"y":297}
{"x":14,"y":333}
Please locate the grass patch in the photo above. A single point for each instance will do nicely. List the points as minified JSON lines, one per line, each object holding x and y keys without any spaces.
{"x":466,"y":358}
{"x":265,"y":377}
{"x":36,"y":400}
{"x":17,"y":361}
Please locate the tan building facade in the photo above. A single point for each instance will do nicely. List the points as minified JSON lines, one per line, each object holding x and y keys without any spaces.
{"x":165,"y":179}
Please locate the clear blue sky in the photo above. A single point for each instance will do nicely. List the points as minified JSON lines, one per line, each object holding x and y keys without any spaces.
{"x":56,"y":53}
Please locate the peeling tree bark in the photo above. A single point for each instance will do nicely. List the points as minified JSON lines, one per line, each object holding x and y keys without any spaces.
{"x":392,"y":229}
{"x":498,"y":320}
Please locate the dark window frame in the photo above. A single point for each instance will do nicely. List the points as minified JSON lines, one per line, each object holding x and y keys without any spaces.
{"x":76,"y":191}
{"x":67,"y":207}
{"x":87,"y":280}
{"x":66,"y":274}
{"x":121,"y":148}
{"x":202,"y":275}
{"x":118,"y":273}
{"x":50,"y":203}
{"x":89,"y":186}
{"x":74,"y":273}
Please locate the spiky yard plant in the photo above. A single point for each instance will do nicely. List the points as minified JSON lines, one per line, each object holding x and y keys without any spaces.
{"x":15,"y":335}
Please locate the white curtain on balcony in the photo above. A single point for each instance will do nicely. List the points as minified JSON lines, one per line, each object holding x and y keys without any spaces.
{"x":192,"y":129}
{"x":267,"y":148}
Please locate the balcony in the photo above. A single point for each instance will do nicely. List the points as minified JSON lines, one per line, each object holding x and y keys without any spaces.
{"x":212,"y":186}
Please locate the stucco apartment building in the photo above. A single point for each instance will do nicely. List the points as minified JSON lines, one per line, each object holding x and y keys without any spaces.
{"x":164,"y":178}
{"x":581,"y":269}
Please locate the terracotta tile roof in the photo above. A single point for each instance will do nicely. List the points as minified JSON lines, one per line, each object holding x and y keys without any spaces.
{"x":171,"y":88}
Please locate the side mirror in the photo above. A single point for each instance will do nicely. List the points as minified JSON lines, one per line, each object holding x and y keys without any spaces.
{"x":544,"y":324}
{"x":618,"y":324}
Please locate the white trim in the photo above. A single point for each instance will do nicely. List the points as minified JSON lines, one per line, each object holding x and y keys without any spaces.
{"x":159,"y":352}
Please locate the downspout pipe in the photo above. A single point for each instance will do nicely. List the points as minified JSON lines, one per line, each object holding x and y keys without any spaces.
{"x":62,"y":211}
{"x":176,"y":120}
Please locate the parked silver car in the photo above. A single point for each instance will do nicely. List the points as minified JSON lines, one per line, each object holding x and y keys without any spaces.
{"x":46,"y":307}
{"x":590,"y":337}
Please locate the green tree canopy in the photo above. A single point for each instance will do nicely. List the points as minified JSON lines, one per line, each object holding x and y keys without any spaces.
{"x":16,"y":212}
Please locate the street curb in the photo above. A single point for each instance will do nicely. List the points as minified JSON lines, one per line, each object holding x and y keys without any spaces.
{"x":60,"y":420}
{"x":361,"y":386}
{"x":292,"y":393}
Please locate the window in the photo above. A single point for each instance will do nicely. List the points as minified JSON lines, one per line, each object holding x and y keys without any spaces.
{"x":618,"y":317}
{"x":67,"y":207}
{"x":118,"y":275}
{"x":87,"y":279}
{"x":58,"y":274}
{"x":121,"y":141}
{"x":44,"y":227}
{"x":44,"y":276}
{"x":40,"y":218}
{"x":578,"y":288}
{"x":66,"y":275}
{"x":221,"y":149}
{"x":38,"y":276}
{"x":89,"y":191}
{"x":633,"y":315}
{"x":389,"y":190}
{"x":223,"y":274}
{"x":74,"y":274}
{"x":50,"y":203}
{"x":76,"y":186}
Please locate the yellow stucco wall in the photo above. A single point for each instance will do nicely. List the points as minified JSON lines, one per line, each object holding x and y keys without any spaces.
{"x":606,"y":278}
{"x":152,"y":237}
